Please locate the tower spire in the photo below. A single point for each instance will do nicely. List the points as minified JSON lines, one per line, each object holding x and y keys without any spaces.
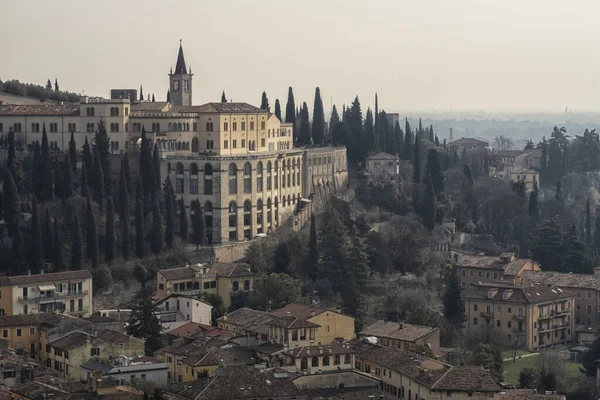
{"x":180,"y":66}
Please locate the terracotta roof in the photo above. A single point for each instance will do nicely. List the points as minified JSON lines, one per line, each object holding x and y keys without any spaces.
{"x":230,"y":269}
{"x":382,"y":156}
{"x":580,"y":281}
{"x":478,"y":261}
{"x":395,"y":330}
{"x":224,"y":108}
{"x":292,"y":323}
{"x":32,"y":319}
{"x":177,"y":273}
{"x":40,"y":109}
{"x":515,"y":266}
{"x":330,"y":349}
{"x":467,"y":379}
{"x":190,"y":330}
{"x":39,"y":278}
{"x":303,"y":311}
{"x":244,"y":316}
{"x":464,"y":141}
{"x":77,"y":339}
{"x":529,"y":295}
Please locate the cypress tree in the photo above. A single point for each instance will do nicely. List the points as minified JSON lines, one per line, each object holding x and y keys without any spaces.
{"x":73,"y":151}
{"x":67,"y":177}
{"x":588,"y":223}
{"x":198,"y":231}
{"x":183,"y":221}
{"x":223,"y":98}
{"x":333,"y":121}
{"x":12,"y":204}
{"x":454,"y":308}
{"x":437,"y":141}
{"x":432,"y":135}
{"x":12,"y":163}
{"x":85,"y":188}
{"x":48,"y":242}
{"x":58,"y":247}
{"x":88,"y":163}
{"x":290,"y":111}
{"x":92,"y":234}
{"x":168,"y":96}
{"x":156,"y":239}
{"x":169,"y":214}
{"x":304,"y":134}
{"x":109,"y":236}
{"x":146,"y":168}
{"x":125,"y":235}
{"x":357,"y":150}
{"x":433,"y":169}
{"x":141,"y":93}
{"x":264,"y":102}
{"x":558,"y":194}
{"x":99,"y":192}
{"x":153,"y":99}
{"x":429,"y":205}
{"x":399,"y":138}
{"x":533,"y":203}
{"x":56,"y":85}
{"x":49,"y":85}
{"x":47,"y":192}
{"x":372,"y":142}
{"x":408,"y":141}
{"x":36,"y":256}
{"x":57,"y":175}
{"x":156,"y":174}
{"x":313,"y":252}
{"x":417,"y":159}
{"x":597,"y":234}
{"x":36,"y":171}
{"x":20,"y":264}
{"x":140,"y":244}
{"x":123,"y":193}
{"x":376,"y":122}
{"x":278,"y":110}
{"x":318,"y":124}
{"x":77,"y":249}
{"x":103,"y":152}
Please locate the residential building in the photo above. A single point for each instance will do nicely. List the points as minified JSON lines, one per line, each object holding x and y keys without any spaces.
{"x":126,"y":369}
{"x":238,"y":160}
{"x":68,"y":292}
{"x":68,"y":353}
{"x":383,"y":166}
{"x":529,"y":317}
{"x":223,"y":279}
{"x":309,"y":360}
{"x":530,"y":177}
{"x":176,"y":309}
{"x":408,"y":375}
{"x":188,"y":332}
{"x":469,"y":145}
{"x":22,"y":332}
{"x":475,"y":268}
{"x":306,"y":325}
{"x":247,"y":322}
{"x":403,"y":336}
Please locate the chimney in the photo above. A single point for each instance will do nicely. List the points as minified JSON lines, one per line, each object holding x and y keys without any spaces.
{"x":225,"y":317}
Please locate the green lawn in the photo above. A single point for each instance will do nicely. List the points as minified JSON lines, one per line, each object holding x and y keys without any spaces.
{"x":512,"y":370}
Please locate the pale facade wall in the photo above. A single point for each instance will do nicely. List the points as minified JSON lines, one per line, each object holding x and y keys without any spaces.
{"x":191,"y":310}
{"x":333,"y":325}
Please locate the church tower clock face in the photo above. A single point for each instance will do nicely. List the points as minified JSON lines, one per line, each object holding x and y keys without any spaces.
{"x":176,"y":85}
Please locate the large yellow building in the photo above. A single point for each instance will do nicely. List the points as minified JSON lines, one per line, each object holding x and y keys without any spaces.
{"x":531,"y":317}
{"x":238,"y":160}
{"x":68,"y":292}
{"x":22,"y":332}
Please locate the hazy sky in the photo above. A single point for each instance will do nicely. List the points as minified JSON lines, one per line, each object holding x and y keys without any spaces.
{"x":418,"y":54}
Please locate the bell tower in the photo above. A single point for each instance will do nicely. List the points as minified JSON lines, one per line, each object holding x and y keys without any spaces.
{"x":180,"y":82}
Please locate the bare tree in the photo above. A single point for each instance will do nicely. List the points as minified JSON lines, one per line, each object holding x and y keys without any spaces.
{"x":503,"y":143}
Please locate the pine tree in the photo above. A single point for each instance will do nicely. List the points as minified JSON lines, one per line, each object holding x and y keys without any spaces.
{"x":408,"y":141}
{"x":264,"y":102}
{"x":318,"y":124}
{"x":99,"y":192}
{"x":304,"y":137}
{"x":58,"y":247}
{"x":417,"y":159}
{"x":109,"y":236}
{"x":102,"y":150}
{"x":313,"y":252}
{"x":454,"y":308}
{"x":588,"y":223}
{"x":290,"y":108}
{"x":429,"y":204}
{"x":333,"y":121}
{"x":140,"y":243}
{"x":36,"y":256}
{"x":156,"y":239}
{"x":223,"y":98}
{"x":433,"y":169}
{"x":73,"y":152}
{"x":92,"y":234}
{"x":357,"y":150}
{"x":48,"y":241}
{"x":88,"y":164}
{"x":84,"y":189}
{"x":183,"y":222}
{"x":57,"y":176}
{"x":12,"y":205}
{"x":49,"y":85}
{"x":198,"y":231}
{"x":144,"y":323}
{"x":168,"y":96}
{"x":77,"y":249}
{"x":12,"y":163}
{"x":169,"y":214}
{"x":47,"y":193}
{"x":141,"y":93}
{"x":533,"y":203}
{"x":36,"y":171}
{"x":278,"y":110}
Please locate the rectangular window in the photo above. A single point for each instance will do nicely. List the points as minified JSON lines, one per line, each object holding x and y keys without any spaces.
{"x":262,"y":125}
{"x":4,"y":333}
{"x":475,"y":321}
{"x":251,"y":125}
{"x":262,"y":142}
{"x":235,"y":126}
{"x":31,"y":331}
{"x":18,"y":331}
{"x":213,"y":284}
{"x":195,"y":126}
{"x":234,"y":144}
{"x":225,"y":126}
{"x":194,"y":186}
{"x":510,"y":324}
{"x":179,"y":185}
{"x":243,"y":126}
{"x":226,"y":144}
{"x":243,"y":143}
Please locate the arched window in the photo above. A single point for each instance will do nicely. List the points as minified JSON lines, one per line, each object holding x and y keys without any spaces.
{"x":269,"y":212}
{"x":247,"y":178}
{"x":303,"y":364}
{"x":212,"y":127}
{"x":269,"y":178}
{"x":232,"y":221}
{"x":208,"y":179}
{"x":259,"y":177}
{"x":116,"y":111}
{"x":193,"y":178}
{"x":347,"y":359}
{"x":170,"y":126}
{"x":232,"y":179}
{"x":276,"y":212}
{"x":208,"y":221}
{"x":179,"y":168}
{"x":336,"y":360}
{"x":275,"y":174}
{"x":247,"y":219}
{"x":195,"y":145}
{"x":326,"y":361}
{"x":315,"y":362}
{"x":112,"y":111}
{"x":259,"y":215}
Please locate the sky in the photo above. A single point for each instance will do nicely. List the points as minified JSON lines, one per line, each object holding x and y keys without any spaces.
{"x":429,"y":55}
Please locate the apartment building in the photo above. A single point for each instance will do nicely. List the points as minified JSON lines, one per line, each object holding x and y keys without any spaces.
{"x":22,"y":332}
{"x":531,"y":317}
{"x":68,"y":292}
{"x":310,"y":360}
{"x":402,"y":335}
{"x":174,"y":310}
{"x":475,"y":268}
{"x":247,"y":322}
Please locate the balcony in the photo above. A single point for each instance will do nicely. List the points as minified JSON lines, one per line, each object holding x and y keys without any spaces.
{"x":563,"y":312}
{"x":52,"y":296}
{"x":488,"y":315}
{"x":520,"y":318}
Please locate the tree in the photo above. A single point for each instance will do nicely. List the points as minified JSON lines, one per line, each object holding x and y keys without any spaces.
{"x":140,"y":243}
{"x":264,"y":102}
{"x":169,"y":213}
{"x":92,"y":234}
{"x":318,"y":124}
{"x":67,"y":185}
{"x":223,"y":98}
{"x":12,"y":163}
{"x":429,"y":205}
{"x":156,"y":174}
{"x":58,"y":247}
{"x":127,"y":172}
{"x":533,"y":203}
{"x":588,"y":223}
{"x":144,"y":323}
{"x":454,"y":308}
{"x":278,"y":109}
{"x":153,"y":99}
{"x":141,"y":93}
{"x":575,"y":259}
{"x":12,"y":204}
{"x":141,"y":274}
{"x":36,"y":257}
{"x":73,"y":151}
{"x":48,"y":242}
{"x":156,"y":236}
{"x":47,"y":192}
{"x":290,"y":108}
{"x":433,"y":169}
{"x":313,"y":251}
{"x":183,"y":221}
{"x":198,"y":231}
{"x":19,"y":262}
{"x":490,"y":358}
{"x":36,"y":171}
{"x":88,"y":166}
{"x":528,"y":378}
{"x":125,"y":235}
{"x":49,"y":85}
{"x":372,"y":142}
{"x":55,"y":84}
{"x":503,"y":143}
{"x":102,"y":142}
{"x":334,"y":119}
{"x":216,"y":302}
{"x":146,"y":171}
{"x":168,"y":96}
{"x":57,"y":178}
{"x":417,"y":159}
{"x":357,"y":149}
{"x":597,"y":234}
{"x":408,"y":141}
{"x":77,"y":248}
{"x":547,"y":245}
{"x":304,"y":136}
{"x":99,"y":192}
{"x":109,"y":236}
{"x":255,"y":257}
{"x":558,"y":194}
{"x":274,"y":291}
